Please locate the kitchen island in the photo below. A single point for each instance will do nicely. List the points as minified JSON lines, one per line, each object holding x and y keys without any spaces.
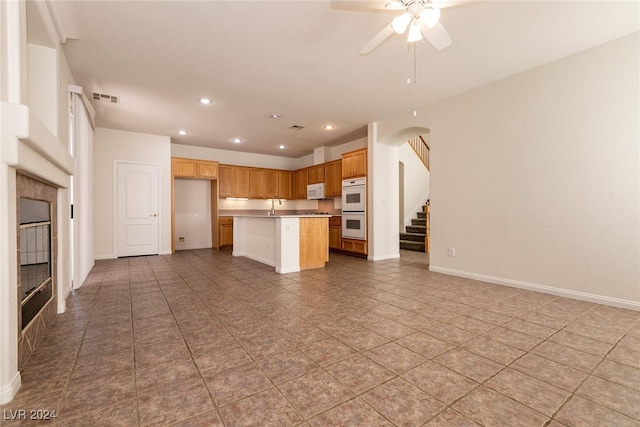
{"x":290,"y":243}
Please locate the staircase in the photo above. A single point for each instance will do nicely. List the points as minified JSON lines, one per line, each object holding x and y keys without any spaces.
{"x":415,"y":236}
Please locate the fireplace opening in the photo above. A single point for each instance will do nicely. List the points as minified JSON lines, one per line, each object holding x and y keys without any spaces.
{"x":36,"y":284}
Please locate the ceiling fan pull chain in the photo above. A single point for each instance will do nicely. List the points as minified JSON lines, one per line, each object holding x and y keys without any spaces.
{"x":415,"y":67}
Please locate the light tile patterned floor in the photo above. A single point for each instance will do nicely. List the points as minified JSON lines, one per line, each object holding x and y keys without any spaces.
{"x":201,"y":338}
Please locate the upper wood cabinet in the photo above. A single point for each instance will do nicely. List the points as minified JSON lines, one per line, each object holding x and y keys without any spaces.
{"x":285,"y":184}
{"x":300,"y":181}
{"x":243,"y":182}
{"x":191,"y":168}
{"x":233,"y":181}
{"x":207,"y":169}
{"x":271,"y":189}
{"x":226,"y":182}
{"x":256,"y":184}
{"x":354,"y":164}
{"x":316,"y":174}
{"x":333,"y":178}
{"x":263,"y":183}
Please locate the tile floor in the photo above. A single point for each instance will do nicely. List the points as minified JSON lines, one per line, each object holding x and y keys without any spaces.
{"x":201,"y":338}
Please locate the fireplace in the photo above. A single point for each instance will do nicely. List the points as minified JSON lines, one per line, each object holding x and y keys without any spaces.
{"x":36,"y":235}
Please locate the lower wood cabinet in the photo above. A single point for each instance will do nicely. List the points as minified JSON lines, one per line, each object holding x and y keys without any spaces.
{"x":225,"y":234}
{"x":335,"y":232}
{"x":355,"y":246}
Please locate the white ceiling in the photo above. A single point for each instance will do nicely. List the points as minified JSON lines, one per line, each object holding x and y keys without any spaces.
{"x":301,"y":59}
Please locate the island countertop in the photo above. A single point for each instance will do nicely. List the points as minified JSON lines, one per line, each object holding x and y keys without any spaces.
{"x":281,"y":216}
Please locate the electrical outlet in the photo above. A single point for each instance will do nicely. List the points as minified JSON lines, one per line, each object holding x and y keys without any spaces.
{"x":451,"y":251}
{"x":180,"y":239}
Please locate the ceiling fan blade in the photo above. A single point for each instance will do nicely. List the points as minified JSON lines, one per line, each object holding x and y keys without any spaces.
{"x":377,"y":40}
{"x":359,"y":6}
{"x":437,"y":36}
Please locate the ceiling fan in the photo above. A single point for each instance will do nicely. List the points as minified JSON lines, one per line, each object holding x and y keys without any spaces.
{"x":421,"y":18}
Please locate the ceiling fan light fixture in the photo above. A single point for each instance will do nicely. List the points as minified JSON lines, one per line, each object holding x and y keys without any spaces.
{"x":394,"y":5}
{"x":430,"y":16}
{"x":401,"y":22}
{"x":414,"y":32}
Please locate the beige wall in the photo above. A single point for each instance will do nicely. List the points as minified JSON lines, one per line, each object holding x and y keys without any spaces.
{"x":535,"y":179}
{"x":111,"y":146}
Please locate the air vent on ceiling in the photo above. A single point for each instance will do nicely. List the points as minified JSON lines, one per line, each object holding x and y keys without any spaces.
{"x":102,"y":96}
{"x":296,"y":127}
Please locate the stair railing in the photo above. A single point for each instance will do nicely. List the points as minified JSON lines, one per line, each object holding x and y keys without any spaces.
{"x":427,"y":235}
{"x":421,"y":148}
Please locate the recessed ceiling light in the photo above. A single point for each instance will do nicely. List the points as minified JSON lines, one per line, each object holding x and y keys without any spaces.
{"x":296,"y":127}
{"x":282,"y":147}
{"x":205,"y":101}
{"x":182,"y":132}
{"x":274,"y":115}
{"x":236,"y":140}
{"x":329,"y":127}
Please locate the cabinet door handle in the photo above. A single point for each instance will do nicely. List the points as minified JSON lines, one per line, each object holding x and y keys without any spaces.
{"x":154,"y":214}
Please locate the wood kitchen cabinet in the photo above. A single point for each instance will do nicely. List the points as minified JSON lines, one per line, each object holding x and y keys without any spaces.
{"x":226,"y":181}
{"x":354,"y":164}
{"x":333,"y":178}
{"x":316,"y":174}
{"x":263,"y":183}
{"x":191,"y":168}
{"x":285,"y":185}
{"x":242,"y":182}
{"x":355,"y":246}
{"x":271,"y":188}
{"x":335,"y":232}
{"x":225,"y":232}
{"x":300,"y":181}
{"x":234,"y":181}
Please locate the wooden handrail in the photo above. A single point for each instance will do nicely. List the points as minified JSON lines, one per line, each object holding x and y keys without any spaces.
{"x":421,"y":148}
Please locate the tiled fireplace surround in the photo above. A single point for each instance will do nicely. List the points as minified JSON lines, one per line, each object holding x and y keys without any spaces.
{"x":37,"y":328}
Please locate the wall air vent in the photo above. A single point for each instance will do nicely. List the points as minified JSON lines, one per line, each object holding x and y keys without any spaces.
{"x":104,"y":97}
{"x":296,"y":127}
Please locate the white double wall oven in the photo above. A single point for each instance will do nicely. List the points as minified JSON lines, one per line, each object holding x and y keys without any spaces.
{"x":354,"y":208}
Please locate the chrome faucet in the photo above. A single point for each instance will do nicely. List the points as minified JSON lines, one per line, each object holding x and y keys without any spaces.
{"x":272,"y":212}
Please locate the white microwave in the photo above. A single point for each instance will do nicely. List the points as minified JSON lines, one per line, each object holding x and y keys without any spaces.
{"x":315,"y":191}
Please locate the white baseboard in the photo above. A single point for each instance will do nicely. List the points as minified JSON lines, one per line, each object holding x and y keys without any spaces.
{"x":583,"y":296}
{"x":254,"y":257}
{"x":384,"y":257}
{"x":8,"y":392}
{"x":287,"y":270}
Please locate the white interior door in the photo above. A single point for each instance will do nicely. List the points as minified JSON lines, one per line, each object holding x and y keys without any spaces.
{"x":137,"y":209}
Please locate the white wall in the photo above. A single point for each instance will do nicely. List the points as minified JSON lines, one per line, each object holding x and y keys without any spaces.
{"x":535,"y":178}
{"x":382,"y":193}
{"x":336,"y":152}
{"x":193,"y":213}
{"x":233,"y":157}
{"x":416,"y":183}
{"x":111,"y":145}
{"x":43,"y":117}
{"x":43,"y":85}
